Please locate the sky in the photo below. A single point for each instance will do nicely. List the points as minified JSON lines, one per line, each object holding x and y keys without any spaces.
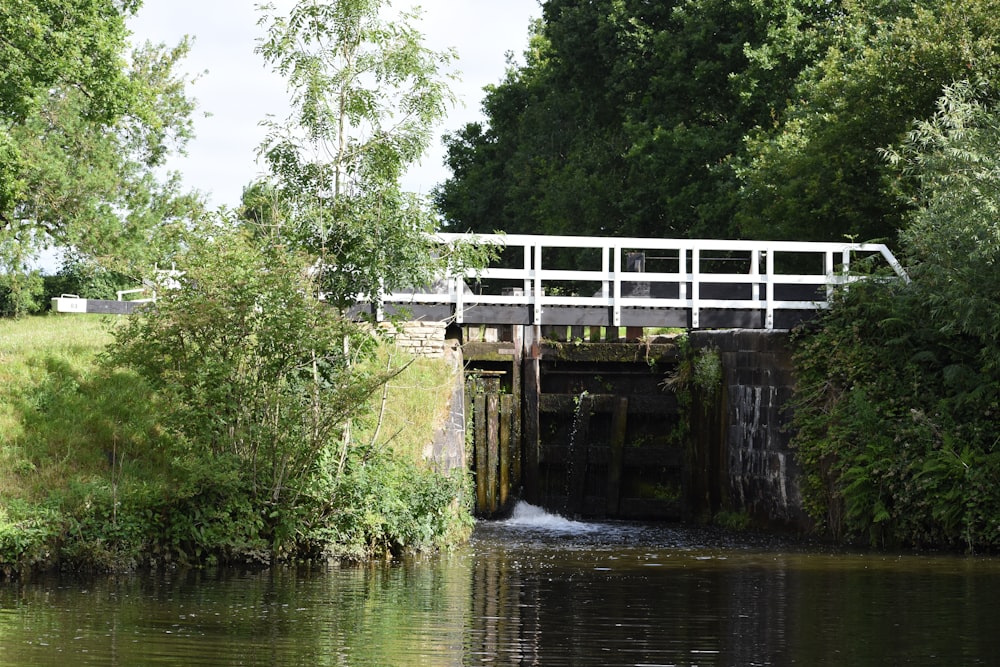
{"x":238,"y":91}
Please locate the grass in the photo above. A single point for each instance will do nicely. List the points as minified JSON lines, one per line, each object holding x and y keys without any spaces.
{"x":415,"y":405}
{"x":72,"y":430}
{"x":47,"y":366}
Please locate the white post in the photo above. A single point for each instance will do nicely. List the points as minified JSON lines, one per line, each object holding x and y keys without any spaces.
{"x":538,"y":283}
{"x":682,"y":274}
{"x":769,"y":317}
{"x":830,"y":278}
{"x":695,"y":287}
{"x":605,"y":267}
{"x":527,"y":268}
{"x":458,"y":284}
{"x":616,"y":312}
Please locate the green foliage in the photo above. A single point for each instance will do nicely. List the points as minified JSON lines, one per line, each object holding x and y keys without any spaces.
{"x":815,"y":173}
{"x":86,"y":279}
{"x":732,"y":520}
{"x":899,"y":392}
{"x":94,"y":473}
{"x":84,"y":132}
{"x":390,"y":506}
{"x":82,"y":44}
{"x":250,"y":364}
{"x":20,"y":293}
{"x":714,"y":118}
{"x":366,"y":95}
{"x":895,"y":424}
{"x":27,"y":533}
{"x":621,"y":121}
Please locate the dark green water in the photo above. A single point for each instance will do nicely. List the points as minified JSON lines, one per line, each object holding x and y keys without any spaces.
{"x":537,"y":591}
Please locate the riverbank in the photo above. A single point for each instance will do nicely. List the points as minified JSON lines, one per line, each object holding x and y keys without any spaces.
{"x":92,"y":478}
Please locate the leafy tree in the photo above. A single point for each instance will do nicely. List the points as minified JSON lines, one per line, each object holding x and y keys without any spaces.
{"x":623,"y":120}
{"x":366,"y":95}
{"x":251,"y":363}
{"x":64,"y":44}
{"x":251,"y":366}
{"x":83,"y":133}
{"x":816,"y":173}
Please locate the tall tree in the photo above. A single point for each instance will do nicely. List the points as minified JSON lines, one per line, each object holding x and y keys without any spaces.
{"x":815,"y":173}
{"x":84,"y":132}
{"x":898,"y":396}
{"x":622,"y":121}
{"x":366,"y":95}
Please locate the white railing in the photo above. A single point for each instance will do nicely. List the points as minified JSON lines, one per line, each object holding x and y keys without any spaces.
{"x":693,"y":275}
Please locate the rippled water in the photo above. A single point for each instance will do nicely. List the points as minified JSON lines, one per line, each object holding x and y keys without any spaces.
{"x":533,"y":590}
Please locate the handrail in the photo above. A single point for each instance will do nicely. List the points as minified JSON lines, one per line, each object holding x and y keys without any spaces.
{"x":687,"y":276}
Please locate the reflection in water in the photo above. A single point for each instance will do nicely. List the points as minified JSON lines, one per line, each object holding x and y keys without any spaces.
{"x":626,"y":594}
{"x":533,"y":590}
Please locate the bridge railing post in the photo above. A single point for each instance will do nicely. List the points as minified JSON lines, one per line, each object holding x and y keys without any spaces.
{"x":537,"y":292}
{"x":769,"y":290}
{"x":695,"y":288}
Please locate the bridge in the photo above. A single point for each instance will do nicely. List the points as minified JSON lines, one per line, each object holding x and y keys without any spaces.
{"x":618,"y":282}
{"x":640,"y":282}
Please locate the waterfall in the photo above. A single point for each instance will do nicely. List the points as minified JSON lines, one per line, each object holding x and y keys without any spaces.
{"x":576,"y":461}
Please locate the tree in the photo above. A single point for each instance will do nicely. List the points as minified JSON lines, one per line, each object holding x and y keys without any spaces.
{"x":952,"y":239}
{"x":815,"y":173}
{"x":93,"y":186}
{"x":83,"y":133}
{"x":64,"y":44}
{"x":250,"y":357}
{"x":366,"y":95}
{"x":250,"y":366}
{"x":899,"y":392}
{"x":623,"y":120}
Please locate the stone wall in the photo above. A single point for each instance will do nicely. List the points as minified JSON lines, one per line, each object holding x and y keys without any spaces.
{"x":757,"y":466}
{"x":447,"y":450}
{"x":422,"y":339}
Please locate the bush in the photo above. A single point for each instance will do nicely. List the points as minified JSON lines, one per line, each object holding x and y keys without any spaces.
{"x":253,"y":372}
{"x":20,"y":294}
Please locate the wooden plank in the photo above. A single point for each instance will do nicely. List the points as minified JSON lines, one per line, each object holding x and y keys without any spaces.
{"x":532,"y":394}
{"x":497,"y":314}
{"x":619,"y":426}
{"x":627,"y":353}
{"x":506,"y":410}
{"x":656,"y":404}
{"x":576,"y":315}
{"x":109,"y":307}
{"x":655,"y":317}
{"x":481,"y":454}
{"x":516,"y":392}
{"x":493,"y":452}
{"x":726,"y":318}
{"x":427,"y":312}
{"x":633,"y":457}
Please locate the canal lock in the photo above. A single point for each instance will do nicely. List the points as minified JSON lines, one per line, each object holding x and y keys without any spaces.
{"x":576,"y":423}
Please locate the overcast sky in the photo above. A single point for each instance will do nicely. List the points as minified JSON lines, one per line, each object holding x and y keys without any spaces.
{"x":238,"y":91}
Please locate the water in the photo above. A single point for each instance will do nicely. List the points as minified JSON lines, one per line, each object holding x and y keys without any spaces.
{"x":534,"y":590}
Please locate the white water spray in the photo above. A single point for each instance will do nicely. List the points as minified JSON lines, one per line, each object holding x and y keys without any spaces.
{"x":533,"y":517}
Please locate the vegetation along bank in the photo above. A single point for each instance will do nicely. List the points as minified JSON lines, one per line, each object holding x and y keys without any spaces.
{"x":103,"y":469}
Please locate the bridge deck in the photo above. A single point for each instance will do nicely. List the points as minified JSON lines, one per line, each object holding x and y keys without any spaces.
{"x":640,"y":282}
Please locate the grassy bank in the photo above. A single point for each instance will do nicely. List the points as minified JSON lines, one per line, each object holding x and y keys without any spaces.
{"x":90,"y":477}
